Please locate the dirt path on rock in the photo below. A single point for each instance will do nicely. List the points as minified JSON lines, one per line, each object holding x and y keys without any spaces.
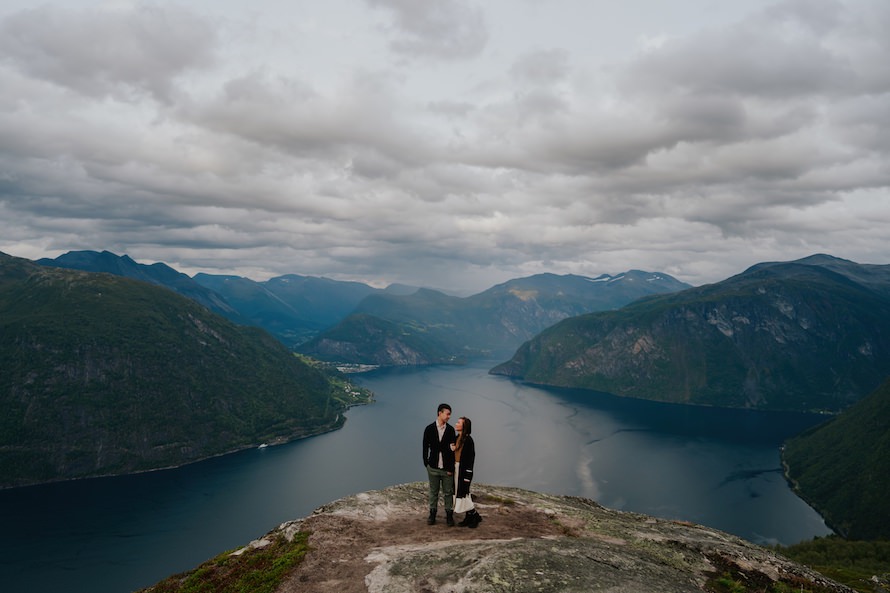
{"x":341,"y":544}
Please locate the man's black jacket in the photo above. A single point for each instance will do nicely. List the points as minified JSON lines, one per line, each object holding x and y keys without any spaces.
{"x":432,"y":447}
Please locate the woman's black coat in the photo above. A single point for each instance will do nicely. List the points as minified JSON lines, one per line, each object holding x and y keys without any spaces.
{"x":465,"y":471}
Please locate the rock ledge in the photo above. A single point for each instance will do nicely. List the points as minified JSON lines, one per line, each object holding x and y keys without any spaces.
{"x":379,"y":542}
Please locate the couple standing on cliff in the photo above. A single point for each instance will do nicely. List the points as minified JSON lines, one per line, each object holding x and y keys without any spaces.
{"x":449,"y":454}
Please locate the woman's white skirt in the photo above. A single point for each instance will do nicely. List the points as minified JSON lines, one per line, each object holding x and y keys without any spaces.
{"x":461,"y":505}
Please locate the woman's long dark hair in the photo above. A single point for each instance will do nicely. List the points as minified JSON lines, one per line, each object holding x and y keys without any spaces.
{"x":464,"y":433}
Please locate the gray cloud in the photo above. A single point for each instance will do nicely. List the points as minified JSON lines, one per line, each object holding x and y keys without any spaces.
{"x":761,"y":138}
{"x":865,"y":122}
{"x":298,"y":121}
{"x":446,"y":29}
{"x":107,"y":52}
{"x":780,"y":53}
{"x":542,"y":67}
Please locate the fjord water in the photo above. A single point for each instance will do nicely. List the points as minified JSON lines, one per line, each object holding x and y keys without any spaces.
{"x":716,"y":467}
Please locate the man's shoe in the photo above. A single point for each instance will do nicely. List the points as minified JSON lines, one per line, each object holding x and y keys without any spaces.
{"x":449,"y":518}
{"x":432,"y":518}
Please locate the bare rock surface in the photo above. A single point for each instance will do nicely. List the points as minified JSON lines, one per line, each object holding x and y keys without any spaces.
{"x":379,"y":542}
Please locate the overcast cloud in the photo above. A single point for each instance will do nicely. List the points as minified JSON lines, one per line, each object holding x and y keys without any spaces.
{"x":453,"y":144}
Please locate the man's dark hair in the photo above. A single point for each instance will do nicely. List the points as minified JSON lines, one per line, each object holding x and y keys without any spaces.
{"x":443,"y":407}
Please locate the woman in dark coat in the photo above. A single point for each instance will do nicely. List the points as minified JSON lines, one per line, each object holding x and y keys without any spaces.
{"x":465,"y":458}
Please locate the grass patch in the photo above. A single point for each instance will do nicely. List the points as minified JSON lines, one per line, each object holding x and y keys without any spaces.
{"x":256,"y":570}
{"x":736,"y":582}
{"x":494,"y":498}
{"x":861,"y":565}
{"x":729,"y":578}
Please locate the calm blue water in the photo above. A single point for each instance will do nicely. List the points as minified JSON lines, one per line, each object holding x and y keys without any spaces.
{"x":716,"y":467}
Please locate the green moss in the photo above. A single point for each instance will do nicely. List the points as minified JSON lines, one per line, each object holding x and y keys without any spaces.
{"x":729,"y":585}
{"x":496,"y":499}
{"x":257,"y":570}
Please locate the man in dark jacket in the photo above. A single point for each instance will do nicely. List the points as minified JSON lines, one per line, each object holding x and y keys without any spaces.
{"x":438,"y":457}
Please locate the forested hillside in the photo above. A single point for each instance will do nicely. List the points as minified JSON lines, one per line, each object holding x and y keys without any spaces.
{"x":842,"y":468}
{"x":107,"y":375}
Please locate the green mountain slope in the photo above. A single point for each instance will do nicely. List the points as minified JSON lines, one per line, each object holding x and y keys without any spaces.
{"x":293,"y":308}
{"x":382,"y":343}
{"x":795,"y":336}
{"x":287,"y":321}
{"x":105,"y":375}
{"x":157,"y":273}
{"x":323,"y":300}
{"x":842,"y":468}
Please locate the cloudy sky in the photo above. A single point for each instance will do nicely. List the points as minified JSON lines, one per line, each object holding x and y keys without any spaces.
{"x":448,"y":143}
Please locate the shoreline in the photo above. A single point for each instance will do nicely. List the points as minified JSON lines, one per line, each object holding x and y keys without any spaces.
{"x":337,"y":424}
{"x":795,"y":488}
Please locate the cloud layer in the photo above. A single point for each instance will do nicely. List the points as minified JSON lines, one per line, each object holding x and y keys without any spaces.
{"x":452,"y":144}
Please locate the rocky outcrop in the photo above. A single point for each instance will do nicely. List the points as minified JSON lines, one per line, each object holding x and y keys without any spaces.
{"x":379,"y":542}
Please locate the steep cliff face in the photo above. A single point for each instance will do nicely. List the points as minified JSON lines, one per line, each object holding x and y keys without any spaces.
{"x":794,"y":336}
{"x":379,"y":542}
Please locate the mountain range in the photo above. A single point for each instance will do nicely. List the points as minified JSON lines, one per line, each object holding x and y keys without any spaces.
{"x":808,"y":335}
{"x":292,"y":308}
{"x":352,"y":322}
{"x":812,"y":334}
{"x":108,"y":375}
{"x":430,"y":327}
{"x":159,"y":274}
{"x":129,"y":367}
